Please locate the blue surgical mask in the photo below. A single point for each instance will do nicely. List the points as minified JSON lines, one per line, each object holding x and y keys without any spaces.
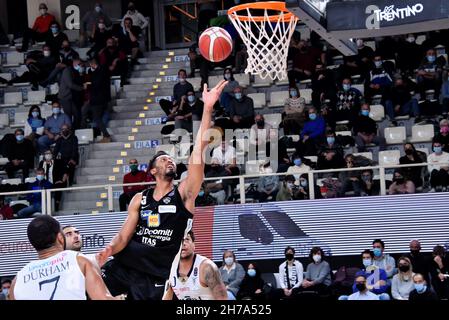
{"x":346,"y":87}
{"x":40,"y":177}
{"x":330,"y":140}
{"x":297,"y":162}
{"x":312,"y":116}
{"x":56,"y":111}
{"x":227,"y":76}
{"x":201,"y":193}
{"x":367,"y":262}
{"x":191,"y":99}
{"x":98,"y":9}
{"x":303,"y":183}
{"x":19,"y":137}
{"x":79,"y":68}
{"x":229,"y":261}
{"x":420,"y":287}
{"x":35,"y":114}
{"x":365,"y":113}
{"x":293,"y":93}
{"x":378,"y":64}
{"x":251,"y":273}
{"x":377,"y":252}
{"x":5,"y":292}
{"x":54,"y":30}
{"x":438,"y":150}
{"x":238,"y":95}
{"x":431,"y":59}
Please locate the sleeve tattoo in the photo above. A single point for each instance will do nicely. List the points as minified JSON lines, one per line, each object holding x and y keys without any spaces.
{"x":212,"y":278}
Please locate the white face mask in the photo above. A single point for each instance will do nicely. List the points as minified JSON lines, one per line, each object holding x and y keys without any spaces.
{"x":47,"y":53}
{"x":101,"y":26}
{"x":48,"y":157}
{"x":317,"y":258}
{"x":229,"y":261}
{"x":43,"y":11}
{"x":411,"y":39}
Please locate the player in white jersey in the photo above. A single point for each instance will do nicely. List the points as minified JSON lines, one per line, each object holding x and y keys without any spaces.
{"x":74,"y":241}
{"x":195,"y":277}
{"x":58,"y":274}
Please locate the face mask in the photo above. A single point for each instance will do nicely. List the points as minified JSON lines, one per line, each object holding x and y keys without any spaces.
{"x":191,"y":99}
{"x":238,"y":95}
{"x":289,"y":256}
{"x":5,"y":292}
{"x":19,"y":137}
{"x":290,"y":185}
{"x":48,"y":157}
{"x":293,"y":93}
{"x":252,"y":273}
{"x":359,"y":43}
{"x":297,"y":162}
{"x":399,"y":180}
{"x":56,"y":110}
{"x":420,"y":287}
{"x":98,"y":9}
{"x":201,"y":193}
{"x":317,"y":258}
{"x":227,"y":76}
{"x":229,"y":261}
{"x":414,"y":252}
{"x":79,"y":68}
{"x":366,"y":178}
{"x":438,"y":150}
{"x":93,"y":69}
{"x":404,"y":268}
{"x":47,"y":53}
{"x":378,"y":64}
{"x":312,"y":116}
{"x":303,"y":183}
{"x":101,"y":26}
{"x":133,"y":167}
{"x":367,"y":262}
{"x":260,"y":123}
{"x":411,"y":39}
{"x":431,"y":59}
{"x":444,"y":129}
{"x":43,"y":11}
{"x":346,"y":87}
{"x":182,"y":80}
{"x":40,"y":177}
{"x":365,"y":113}
{"x":377,"y":252}
{"x":330,"y":140}
{"x":360,"y":287}
{"x":54,"y":30}
{"x":409,"y":152}
{"x":35,"y":114}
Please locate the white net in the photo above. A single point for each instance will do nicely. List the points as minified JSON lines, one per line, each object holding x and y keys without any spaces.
{"x":266,"y":41}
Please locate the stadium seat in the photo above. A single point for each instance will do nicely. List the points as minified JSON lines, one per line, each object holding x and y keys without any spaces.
{"x":425,"y":150}
{"x":274,"y":119}
{"x":277,"y":98}
{"x":12,"y":98}
{"x":4,"y":120}
{"x":214,"y":80}
{"x":343,"y":133}
{"x":259,"y":100}
{"x":196,"y":83}
{"x":359,"y":87}
{"x":3,"y":161}
{"x":307,"y":95}
{"x":14,"y":181}
{"x":14,"y":58}
{"x":377,"y":112}
{"x":314,"y":159}
{"x":395,"y":135}
{"x":7,"y":76}
{"x":422,"y":133}
{"x":243,"y":79}
{"x":19,"y":119}
{"x":30,"y":180}
{"x":389,"y":157}
{"x":368,"y":155}
{"x":252,"y":166}
{"x":35,"y":97}
{"x":85,"y":136}
{"x":420,"y":39}
{"x":260,"y":83}
{"x":371,"y":44}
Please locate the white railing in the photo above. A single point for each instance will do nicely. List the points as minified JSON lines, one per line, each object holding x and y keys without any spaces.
{"x":47,"y":194}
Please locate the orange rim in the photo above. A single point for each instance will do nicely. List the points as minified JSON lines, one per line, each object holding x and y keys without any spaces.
{"x":269,"y":5}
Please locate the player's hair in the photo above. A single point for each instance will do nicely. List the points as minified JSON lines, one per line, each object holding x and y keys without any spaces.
{"x":192,"y":235}
{"x":157,"y":155}
{"x":380,"y":241}
{"x":289,"y":248}
{"x":67,"y":226}
{"x":42,"y":232}
{"x":367,"y":251}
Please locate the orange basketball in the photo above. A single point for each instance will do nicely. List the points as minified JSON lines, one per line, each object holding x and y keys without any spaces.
{"x":215,"y":44}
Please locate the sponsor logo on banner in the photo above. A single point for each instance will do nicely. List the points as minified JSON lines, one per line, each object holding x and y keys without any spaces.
{"x":171,"y":78}
{"x":182,"y":58}
{"x":390,"y":13}
{"x":159,"y":98}
{"x":155,"y":121}
{"x":116,"y":194}
{"x":146,"y":144}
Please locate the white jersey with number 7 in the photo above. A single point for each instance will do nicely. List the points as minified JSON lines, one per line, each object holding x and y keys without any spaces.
{"x":58,"y":277}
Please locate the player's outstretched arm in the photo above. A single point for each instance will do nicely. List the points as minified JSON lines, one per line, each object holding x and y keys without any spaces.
{"x":119,"y":242}
{"x":190,"y":187}
{"x":212,"y":279}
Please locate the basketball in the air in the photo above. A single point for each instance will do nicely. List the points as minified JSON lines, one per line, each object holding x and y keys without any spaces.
{"x":215,"y":44}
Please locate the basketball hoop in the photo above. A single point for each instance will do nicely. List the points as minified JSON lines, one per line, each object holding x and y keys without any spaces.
{"x":266,"y":36}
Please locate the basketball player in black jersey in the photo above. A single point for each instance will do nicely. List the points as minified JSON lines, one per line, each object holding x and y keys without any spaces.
{"x":150,"y":239}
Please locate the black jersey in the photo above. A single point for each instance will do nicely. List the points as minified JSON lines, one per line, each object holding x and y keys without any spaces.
{"x":159,"y":233}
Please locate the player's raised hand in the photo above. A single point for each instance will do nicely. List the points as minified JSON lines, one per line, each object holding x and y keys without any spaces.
{"x":212,"y":96}
{"x":103,"y":255}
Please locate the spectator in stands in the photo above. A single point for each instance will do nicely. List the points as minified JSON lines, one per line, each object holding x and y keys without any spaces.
{"x":261,"y":134}
{"x":318,"y":273}
{"x":422,"y":291}
{"x":6,"y":211}
{"x":406,"y":61}
{"x":413,"y":156}
{"x":291,"y":275}
{"x":429,"y":75}
{"x":99,"y":97}
{"x":21,"y":156}
{"x":66,"y":150}
{"x":6,"y":285}
{"x":363,"y":293}
{"x":134,"y":176}
{"x":217,"y":189}
{"x":227,"y":157}
{"x":34,"y":126}
{"x":115,"y":59}
{"x":303,"y":189}
{"x":294,"y":112}
{"x":304,"y":61}
{"x":183,"y":118}
{"x":65,"y":59}
{"x":330,"y":154}
{"x":418,"y":260}
{"x":91,"y":21}
{"x":399,"y":102}
{"x":347,"y":104}
{"x":56,"y":174}
{"x":369,"y":187}
{"x":252,"y":286}
{"x":232,"y":274}
{"x":228,"y":91}
{"x":268,"y":185}
{"x":128,"y":37}
{"x":298,"y":166}
{"x":55,"y":38}
{"x":443,"y":135}
{"x":137,"y":18}
{"x":365,"y":130}
{"x":438,"y":167}
{"x":204,"y":199}
{"x":35,"y":199}
{"x":439,"y":272}
{"x":350,"y":179}
{"x":287,"y":189}
{"x":99,"y":37}
{"x":401,"y":184}
{"x":402,"y":283}
{"x":40,"y":28}
{"x":71,"y":87}
{"x":383,"y":260}
{"x":52,"y":129}
{"x":323,"y":85}
{"x":241,"y":110}
{"x":179,"y":90}
{"x":312,"y":133}
{"x":379,"y":81}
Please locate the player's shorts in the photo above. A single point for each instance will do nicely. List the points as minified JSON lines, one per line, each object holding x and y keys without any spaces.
{"x":137,"y":285}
